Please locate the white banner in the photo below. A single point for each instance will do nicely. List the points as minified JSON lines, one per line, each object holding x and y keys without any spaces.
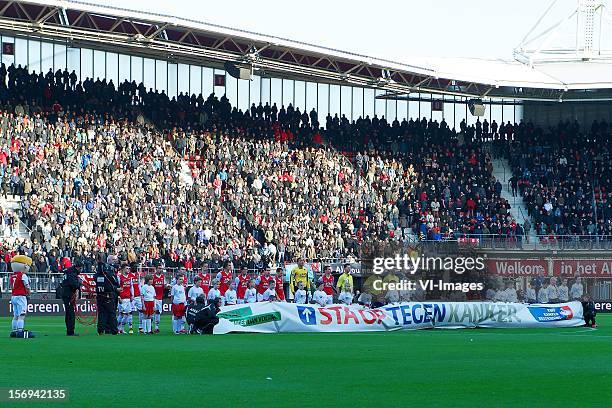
{"x":276,"y":317}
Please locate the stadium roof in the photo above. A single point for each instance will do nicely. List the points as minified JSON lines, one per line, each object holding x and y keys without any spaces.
{"x":188,"y":41}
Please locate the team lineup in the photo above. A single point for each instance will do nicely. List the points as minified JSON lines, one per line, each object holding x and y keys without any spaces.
{"x":144,"y":295}
{"x":123,"y":291}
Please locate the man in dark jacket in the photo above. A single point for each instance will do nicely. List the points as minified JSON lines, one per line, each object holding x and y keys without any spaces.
{"x":202,"y":319}
{"x":589,"y":312}
{"x":70,"y":286}
{"x":106,"y":293}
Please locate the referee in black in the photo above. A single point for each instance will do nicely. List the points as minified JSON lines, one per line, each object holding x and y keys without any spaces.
{"x":107,"y":289}
{"x":70,"y":286}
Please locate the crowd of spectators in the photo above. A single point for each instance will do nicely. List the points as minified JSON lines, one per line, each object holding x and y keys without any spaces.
{"x":564,"y":176}
{"x":441,"y":190}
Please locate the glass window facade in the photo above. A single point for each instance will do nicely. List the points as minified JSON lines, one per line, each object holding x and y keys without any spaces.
{"x":112,"y":73}
{"x":173,"y":78}
{"x":300,"y":95}
{"x":99,"y":65}
{"x":255,"y":90}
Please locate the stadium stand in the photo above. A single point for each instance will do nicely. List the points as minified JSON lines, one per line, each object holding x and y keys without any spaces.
{"x":268,"y":184}
{"x":564,"y":176}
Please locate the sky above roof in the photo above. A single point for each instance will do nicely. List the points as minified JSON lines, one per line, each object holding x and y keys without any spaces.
{"x":395,"y":30}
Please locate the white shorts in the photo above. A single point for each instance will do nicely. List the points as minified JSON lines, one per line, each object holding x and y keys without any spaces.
{"x":137,"y":304}
{"x":20,"y":305}
{"x":125,"y":306}
{"x":158,"y":306}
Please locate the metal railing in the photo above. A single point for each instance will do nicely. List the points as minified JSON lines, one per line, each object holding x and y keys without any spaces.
{"x":526,"y":242}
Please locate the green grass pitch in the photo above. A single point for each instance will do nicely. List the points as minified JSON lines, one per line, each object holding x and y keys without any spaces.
{"x":484,"y":367}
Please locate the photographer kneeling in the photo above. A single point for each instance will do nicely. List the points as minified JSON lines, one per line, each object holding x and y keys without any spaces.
{"x":201,"y":318}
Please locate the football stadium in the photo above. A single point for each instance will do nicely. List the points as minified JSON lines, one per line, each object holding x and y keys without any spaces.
{"x":198,"y":214}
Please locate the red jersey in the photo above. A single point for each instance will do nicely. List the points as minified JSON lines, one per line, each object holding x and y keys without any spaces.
{"x":159,"y":283}
{"x":135,"y":276}
{"x":18,"y":285}
{"x":328,"y":284}
{"x":264,"y":281}
{"x":280,"y":290}
{"x":205,"y":285}
{"x":125,"y":286}
{"x":225,"y":281}
{"x":243,"y":284}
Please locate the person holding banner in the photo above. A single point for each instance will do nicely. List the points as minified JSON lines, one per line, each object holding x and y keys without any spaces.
{"x":346,"y":296}
{"x":563,"y":291}
{"x":300,"y":297}
{"x":577,"y":289}
{"x":270,"y":294}
{"x":391,"y":297}
{"x":202,"y":318}
{"x":589,"y":311}
{"x":250,"y":295}
{"x":543,"y":293}
{"x":320,"y":296}
{"x":530,"y":293}
{"x":553,"y":293}
{"x":365,"y":299}
{"x":510,"y":294}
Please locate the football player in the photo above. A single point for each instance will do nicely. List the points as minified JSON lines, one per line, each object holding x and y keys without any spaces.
{"x":126,"y":296}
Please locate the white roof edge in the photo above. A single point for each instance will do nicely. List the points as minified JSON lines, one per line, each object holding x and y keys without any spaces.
{"x":250,"y":35}
{"x":482,"y":71}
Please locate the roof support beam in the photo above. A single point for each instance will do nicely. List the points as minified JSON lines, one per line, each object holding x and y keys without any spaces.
{"x":93,"y":22}
{"x":9,"y":4}
{"x":134,"y":27}
{"x":356,"y":67}
{"x":237,"y":46}
{"x":42,"y":18}
{"x":220,"y":43}
{"x":158,"y":31}
{"x":24,"y":11}
{"x":116,"y":24}
{"x":79,"y":18}
{"x":185,"y":35}
{"x":418,"y":84}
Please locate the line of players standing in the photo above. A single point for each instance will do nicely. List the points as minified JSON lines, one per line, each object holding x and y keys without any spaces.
{"x":144,"y":295}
